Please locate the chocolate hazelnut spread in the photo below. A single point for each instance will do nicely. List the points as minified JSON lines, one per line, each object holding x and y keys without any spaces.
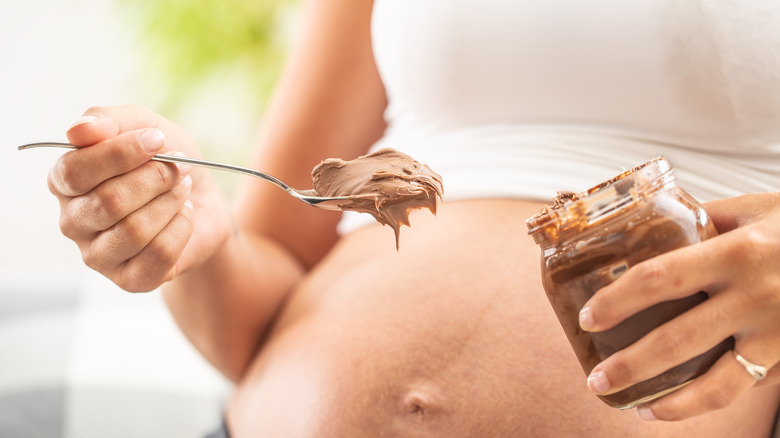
{"x":386,"y":184}
{"x":589,"y":239}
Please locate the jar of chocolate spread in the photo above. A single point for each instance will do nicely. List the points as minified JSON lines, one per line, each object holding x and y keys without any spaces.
{"x":589,"y":239}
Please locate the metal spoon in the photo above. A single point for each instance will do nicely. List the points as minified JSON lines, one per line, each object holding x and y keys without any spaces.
{"x":308,"y":196}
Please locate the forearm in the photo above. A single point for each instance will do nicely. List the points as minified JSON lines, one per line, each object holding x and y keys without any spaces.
{"x":225,"y":305}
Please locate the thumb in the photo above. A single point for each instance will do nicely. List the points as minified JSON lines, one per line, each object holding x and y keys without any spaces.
{"x":101,"y":123}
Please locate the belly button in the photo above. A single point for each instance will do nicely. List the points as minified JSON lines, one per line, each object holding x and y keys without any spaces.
{"x":420,"y":403}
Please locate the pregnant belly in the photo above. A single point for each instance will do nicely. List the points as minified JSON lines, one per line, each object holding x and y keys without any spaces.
{"x":451,"y":336}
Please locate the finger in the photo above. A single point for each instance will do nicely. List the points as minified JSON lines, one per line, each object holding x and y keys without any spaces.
{"x":728,"y":214}
{"x":132,"y":234}
{"x":719,"y":387}
{"x":723,"y":384}
{"x":113,"y":200}
{"x":159,"y":260}
{"x":673,"y":275}
{"x":761,"y":349}
{"x":77,"y":172}
{"x":689,"y":335}
{"x":772,"y":378}
{"x":100,"y":123}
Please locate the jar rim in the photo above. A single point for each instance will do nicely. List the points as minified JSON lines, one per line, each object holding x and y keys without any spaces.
{"x":614,"y":193}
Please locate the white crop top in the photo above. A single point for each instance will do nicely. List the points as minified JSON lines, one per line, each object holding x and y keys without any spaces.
{"x":521,"y":98}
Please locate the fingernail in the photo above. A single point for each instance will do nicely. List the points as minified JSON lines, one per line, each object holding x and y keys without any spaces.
{"x":598,"y":383}
{"x":184,"y":168}
{"x":82,"y":120}
{"x":188,"y":205}
{"x":586,"y":319}
{"x":152,"y":140}
{"x":186,"y":182}
{"x":646,"y":413}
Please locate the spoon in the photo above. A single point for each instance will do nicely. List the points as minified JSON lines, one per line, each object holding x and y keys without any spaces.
{"x":308,"y":196}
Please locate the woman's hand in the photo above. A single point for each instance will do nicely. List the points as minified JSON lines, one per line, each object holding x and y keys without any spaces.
{"x":740,"y":269}
{"x":138,"y":222}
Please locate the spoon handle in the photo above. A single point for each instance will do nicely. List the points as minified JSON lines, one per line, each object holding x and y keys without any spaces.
{"x":185,"y":160}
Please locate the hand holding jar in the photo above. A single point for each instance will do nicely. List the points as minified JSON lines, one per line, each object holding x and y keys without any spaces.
{"x":669,"y":307}
{"x":740,"y":270}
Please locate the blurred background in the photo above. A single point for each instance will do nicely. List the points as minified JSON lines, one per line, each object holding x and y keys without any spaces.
{"x":78,"y":357}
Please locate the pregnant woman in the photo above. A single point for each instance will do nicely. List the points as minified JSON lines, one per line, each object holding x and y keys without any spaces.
{"x":329,"y":331}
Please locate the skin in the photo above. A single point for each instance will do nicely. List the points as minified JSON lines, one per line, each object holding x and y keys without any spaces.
{"x":450,"y":336}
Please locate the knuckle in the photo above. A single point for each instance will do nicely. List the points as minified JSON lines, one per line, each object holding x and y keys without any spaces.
{"x":130,"y":232}
{"x":719,"y":396}
{"x":772,"y":286}
{"x":91,"y":257}
{"x":166,"y":254}
{"x":716,"y":313}
{"x":147,"y":270}
{"x":129,"y":283}
{"x":121,"y":156}
{"x":129,"y":278}
{"x":672,"y":343}
{"x":178,"y":194}
{"x":650,"y":273}
{"x":135,"y":277}
{"x":94,"y":109}
{"x":162,"y":174}
{"x":621,"y":371}
{"x":188,"y":222}
{"x":54,"y":180}
{"x":111,"y":244}
{"x":112,"y":203}
{"x":67,"y":227}
{"x":73,"y":219}
{"x":753,"y":245}
{"x":134,"y":233}
{"x":63,"y":178}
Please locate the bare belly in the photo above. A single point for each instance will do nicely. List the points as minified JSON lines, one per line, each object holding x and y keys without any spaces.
{"x":451,"y":336}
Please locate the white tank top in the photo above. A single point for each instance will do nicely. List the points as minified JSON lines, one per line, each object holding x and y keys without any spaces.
{"x":520,"y":98}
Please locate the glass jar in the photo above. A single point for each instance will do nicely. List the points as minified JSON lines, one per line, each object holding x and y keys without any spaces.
{"x":589,"y":239}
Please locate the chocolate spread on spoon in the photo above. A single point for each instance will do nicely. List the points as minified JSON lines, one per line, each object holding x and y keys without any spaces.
{"x":386,"y":184}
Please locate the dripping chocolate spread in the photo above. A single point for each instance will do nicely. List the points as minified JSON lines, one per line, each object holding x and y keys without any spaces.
{"x":386,"y":184}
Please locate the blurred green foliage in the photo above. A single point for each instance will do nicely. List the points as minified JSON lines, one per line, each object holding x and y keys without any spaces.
{"x":188,"y":42}
{"x":232,"y":49}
